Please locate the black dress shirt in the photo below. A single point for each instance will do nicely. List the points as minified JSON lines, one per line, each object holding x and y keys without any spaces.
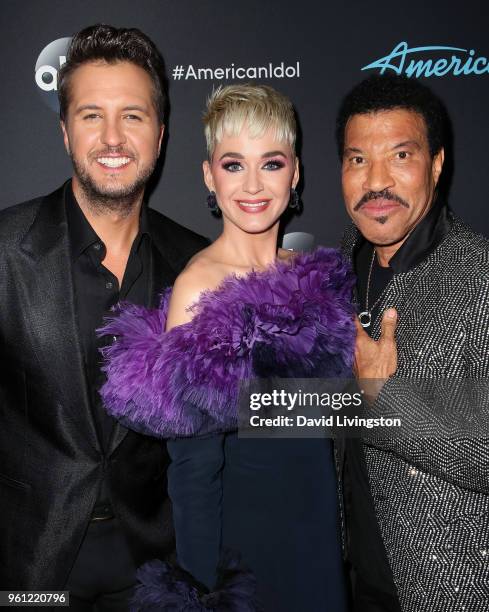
{"x":96,"y":292}
{"x":366,"y":549}
{"x":422,"y":241}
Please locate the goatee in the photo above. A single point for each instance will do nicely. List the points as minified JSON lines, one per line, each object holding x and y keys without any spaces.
{"x":120,"y":199}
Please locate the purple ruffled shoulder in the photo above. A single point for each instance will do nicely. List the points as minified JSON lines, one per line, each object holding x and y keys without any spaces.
{"x":293,"y":320}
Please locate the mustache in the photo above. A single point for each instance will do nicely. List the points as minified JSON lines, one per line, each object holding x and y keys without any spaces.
{"x":385,"y":194}
{"x":113,"y":151}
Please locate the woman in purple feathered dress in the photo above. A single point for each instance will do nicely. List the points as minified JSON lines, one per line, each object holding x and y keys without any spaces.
{"x":241,"y":309}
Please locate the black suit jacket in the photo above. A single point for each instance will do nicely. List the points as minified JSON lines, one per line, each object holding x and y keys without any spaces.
{"x":51,"y":463}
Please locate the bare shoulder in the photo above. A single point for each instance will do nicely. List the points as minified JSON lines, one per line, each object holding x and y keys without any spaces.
{"x":201,"y":274}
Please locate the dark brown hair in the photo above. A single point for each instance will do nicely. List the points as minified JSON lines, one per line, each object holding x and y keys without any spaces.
{"x":112,"y":45}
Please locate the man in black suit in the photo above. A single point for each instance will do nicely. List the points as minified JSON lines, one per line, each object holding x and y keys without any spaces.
{"x":84,"y":500}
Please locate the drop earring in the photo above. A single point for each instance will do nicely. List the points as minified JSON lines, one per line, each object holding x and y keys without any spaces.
{"x":212,"y":202}
{"x":294,"y":201}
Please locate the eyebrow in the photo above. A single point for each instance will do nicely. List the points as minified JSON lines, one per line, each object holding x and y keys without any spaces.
{"x":273,"y":154}
{"x":135,"y":107}
{"x":407,"y":143}
{"x":85,"y":107}
{"x":352,"y":150}
{"x":239,"y":156}
{"x":132,"y":107}
{"x":231,"y":154}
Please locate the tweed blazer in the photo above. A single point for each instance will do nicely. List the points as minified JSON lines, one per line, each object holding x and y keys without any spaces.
{"x":431,"y":494}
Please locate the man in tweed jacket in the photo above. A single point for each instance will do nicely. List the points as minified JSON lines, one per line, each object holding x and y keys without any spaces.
{"x":417,"y":507}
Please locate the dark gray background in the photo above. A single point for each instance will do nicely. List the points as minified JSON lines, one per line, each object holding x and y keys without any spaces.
{"x":332,"y":43}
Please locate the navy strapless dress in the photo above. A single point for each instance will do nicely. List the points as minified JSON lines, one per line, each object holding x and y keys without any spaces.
{"x":274,"y":501}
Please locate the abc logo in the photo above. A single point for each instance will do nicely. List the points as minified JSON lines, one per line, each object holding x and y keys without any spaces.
{"x":50,"y":60}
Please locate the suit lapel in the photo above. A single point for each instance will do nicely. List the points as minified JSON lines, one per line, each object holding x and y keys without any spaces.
{"x":50,"y":311}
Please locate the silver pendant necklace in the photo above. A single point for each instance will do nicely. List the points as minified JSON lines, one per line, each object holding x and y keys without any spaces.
{"x":365,"y":317}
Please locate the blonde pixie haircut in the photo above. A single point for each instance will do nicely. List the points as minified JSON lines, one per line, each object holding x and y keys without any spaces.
{"x":258,"y":107}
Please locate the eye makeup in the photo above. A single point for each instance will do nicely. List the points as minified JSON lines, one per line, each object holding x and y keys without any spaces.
{"x":234,"y":165}
{"x":275,"y":164}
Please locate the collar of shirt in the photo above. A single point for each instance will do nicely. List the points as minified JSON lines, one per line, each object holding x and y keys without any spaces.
{"x":81,"y":233}
{"x":420,"y":243}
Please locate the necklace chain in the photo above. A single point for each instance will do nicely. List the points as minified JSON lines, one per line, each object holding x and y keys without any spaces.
{"x":366,"y":315}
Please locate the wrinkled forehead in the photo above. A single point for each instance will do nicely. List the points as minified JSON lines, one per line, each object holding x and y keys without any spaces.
{"x":388,"y":126}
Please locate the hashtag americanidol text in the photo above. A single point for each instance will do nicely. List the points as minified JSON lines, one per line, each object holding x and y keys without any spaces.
{"x":269,"y":71}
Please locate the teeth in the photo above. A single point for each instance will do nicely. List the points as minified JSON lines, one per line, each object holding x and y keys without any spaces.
{"x":113,"y":162}
{"x":256,"y":205}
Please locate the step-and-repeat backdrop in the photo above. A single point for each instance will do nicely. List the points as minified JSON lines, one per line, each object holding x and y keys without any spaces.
{"x":312,"y":51}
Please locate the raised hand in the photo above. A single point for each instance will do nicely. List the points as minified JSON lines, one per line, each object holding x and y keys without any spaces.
{"x":376,"y":360}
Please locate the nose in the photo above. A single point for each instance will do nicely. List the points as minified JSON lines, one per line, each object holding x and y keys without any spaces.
{"x":378,"y":177}
{"x":112,"y":133}
{"x":252,"y":182}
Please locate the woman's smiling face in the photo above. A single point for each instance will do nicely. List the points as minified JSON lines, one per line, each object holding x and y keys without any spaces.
{"x":252,"y":178}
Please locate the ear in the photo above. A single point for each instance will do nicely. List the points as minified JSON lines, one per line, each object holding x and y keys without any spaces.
{"x":295,"y":178}
{"x":437,"y":165}
{"x":65,"y":136}
{"x":160,"y":138}
{"x":208,"y":178}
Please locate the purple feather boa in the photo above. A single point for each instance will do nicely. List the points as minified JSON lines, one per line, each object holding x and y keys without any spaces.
{"x":162,"y":586}
{"x":293,"y":320}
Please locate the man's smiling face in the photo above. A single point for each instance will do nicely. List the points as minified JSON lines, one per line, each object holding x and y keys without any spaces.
{"x":111,"y":132}
{"x":388,"y":174}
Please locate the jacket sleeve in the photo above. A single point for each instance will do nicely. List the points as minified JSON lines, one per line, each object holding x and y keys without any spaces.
{"x":195,"y":488}
{"x":445,"y":423}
